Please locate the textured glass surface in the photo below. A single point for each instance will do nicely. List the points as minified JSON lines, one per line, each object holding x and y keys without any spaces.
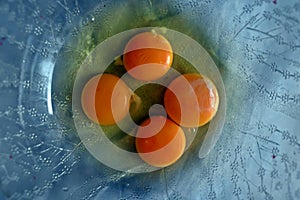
{"x":255,"y":44}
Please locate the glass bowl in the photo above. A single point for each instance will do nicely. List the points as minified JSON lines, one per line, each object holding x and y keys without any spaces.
{"x":255,"y":47}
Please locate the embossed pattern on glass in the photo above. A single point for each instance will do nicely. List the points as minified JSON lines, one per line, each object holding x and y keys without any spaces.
{"x":255,"y":44}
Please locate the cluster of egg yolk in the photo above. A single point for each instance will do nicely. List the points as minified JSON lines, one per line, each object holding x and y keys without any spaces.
{"x":191,"y":100}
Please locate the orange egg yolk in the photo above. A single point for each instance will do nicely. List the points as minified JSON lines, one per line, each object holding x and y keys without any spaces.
{"x":191,"y":100}
{"x":162,"y":147}
{"x":148,"y":56}
{"x":105,"y":99}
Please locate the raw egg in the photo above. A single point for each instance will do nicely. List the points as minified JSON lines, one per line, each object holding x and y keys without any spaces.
{"x":159,"y":141}
{"x":191,"y":100}
{"x":148,"y":56}
{"x":105,"y":99}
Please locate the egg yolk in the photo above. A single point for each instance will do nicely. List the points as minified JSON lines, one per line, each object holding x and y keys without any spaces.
{"x":191,"y":100}
{"x":105,"y":99}
{"x":148,"y":56}
{"x":162,"y":147}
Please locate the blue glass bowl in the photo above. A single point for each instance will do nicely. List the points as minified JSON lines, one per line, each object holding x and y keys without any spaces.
{"x":255,"y":46}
